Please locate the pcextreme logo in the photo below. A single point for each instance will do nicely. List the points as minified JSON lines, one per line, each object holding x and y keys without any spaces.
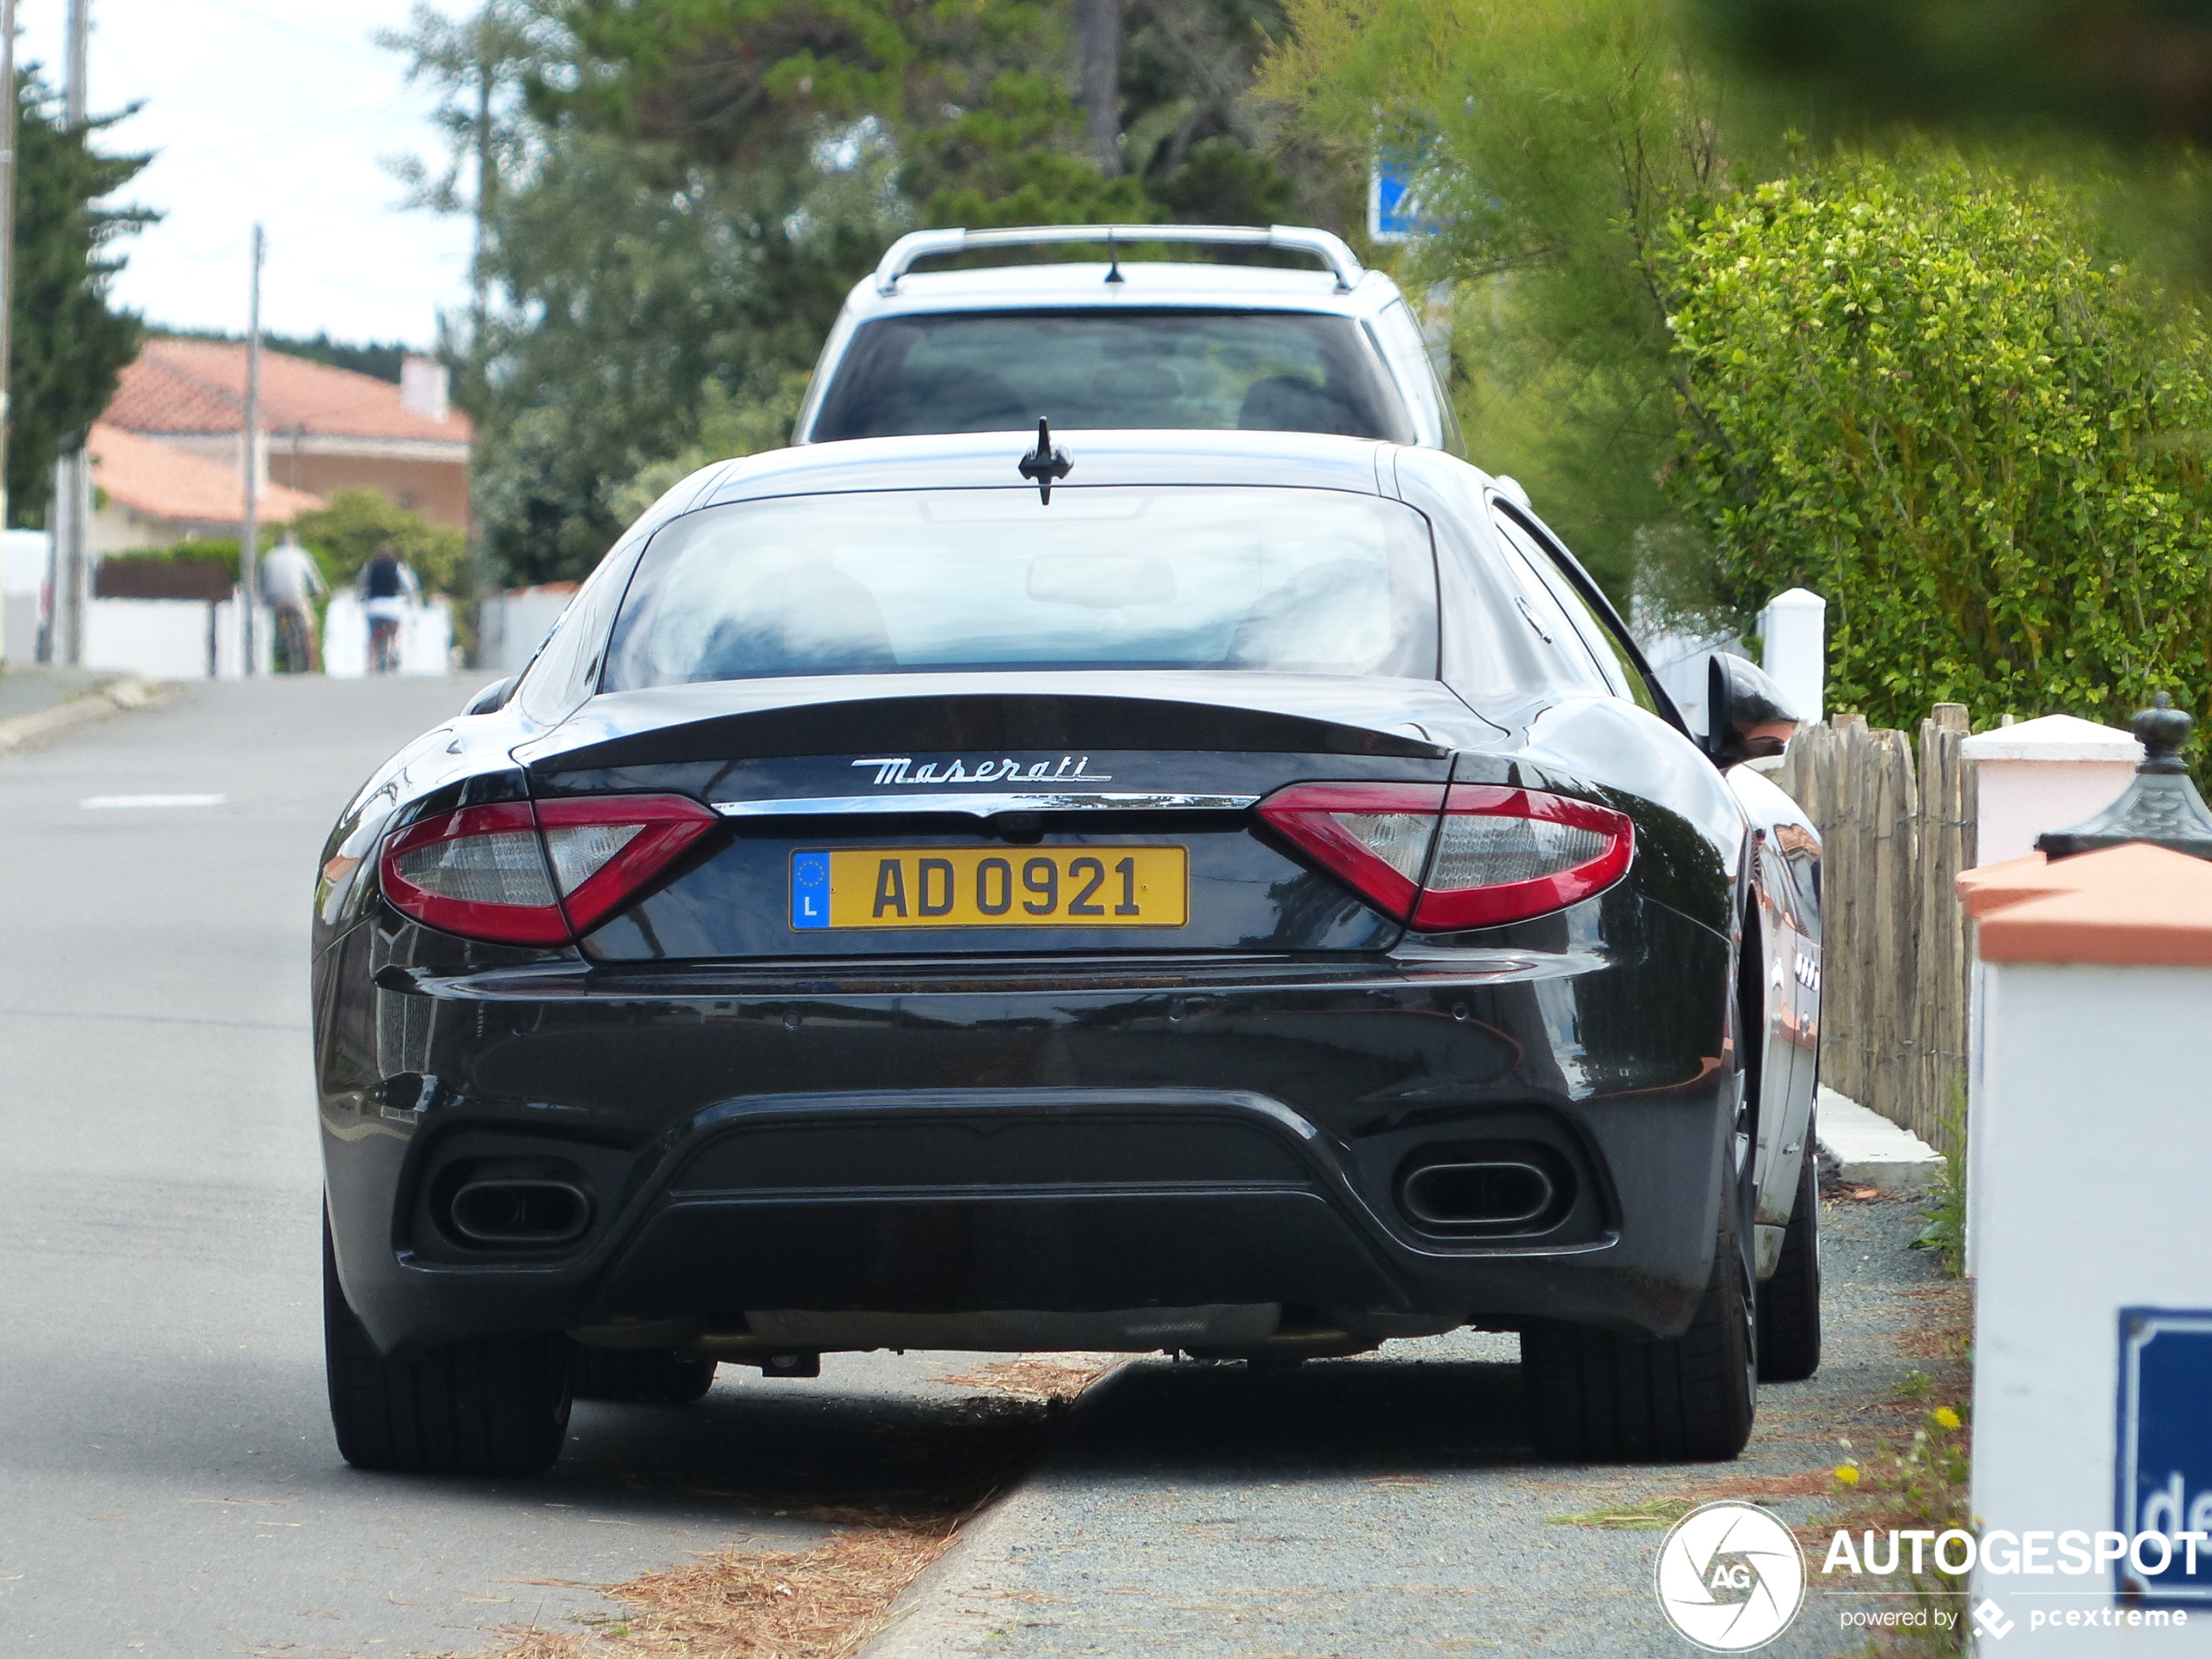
{"x":1730,"y":1577}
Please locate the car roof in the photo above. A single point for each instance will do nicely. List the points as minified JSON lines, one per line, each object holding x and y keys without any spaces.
{"x":1145,"y":283}
{"x":988,"y":460}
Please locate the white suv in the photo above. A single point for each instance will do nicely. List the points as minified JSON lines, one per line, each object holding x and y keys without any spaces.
{"x":1110,"y":344}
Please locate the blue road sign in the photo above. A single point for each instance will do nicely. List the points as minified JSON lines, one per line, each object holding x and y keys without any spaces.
{"x":810,"y":890}
{"x":2164,"y":1482}
{"x":1394,"y":211}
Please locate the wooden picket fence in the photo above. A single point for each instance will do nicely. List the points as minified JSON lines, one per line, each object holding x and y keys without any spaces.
{"x":1896,"y":830}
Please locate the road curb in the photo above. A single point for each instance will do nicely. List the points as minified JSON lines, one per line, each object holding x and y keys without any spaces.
{"x":1869,"y":1150}
{"x":28,"y":731}
{"x":936,"y":1616}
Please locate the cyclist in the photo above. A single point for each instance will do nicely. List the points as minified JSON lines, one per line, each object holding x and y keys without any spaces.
{"x":387,"y":590}
{"x":290,"y":584}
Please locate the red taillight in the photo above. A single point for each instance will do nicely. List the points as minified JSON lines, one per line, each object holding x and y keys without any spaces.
{"x":605,"y":847}
{"x":1507,"y":855}
{"x":1375,"y":836}
{"x":515,"y":875}
{"x":480,"y":872}
{"x":1471,"y":856}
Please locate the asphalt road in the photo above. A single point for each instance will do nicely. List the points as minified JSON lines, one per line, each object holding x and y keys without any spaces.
{"x":1390,"y":1504}
{"x":168,"y":1485}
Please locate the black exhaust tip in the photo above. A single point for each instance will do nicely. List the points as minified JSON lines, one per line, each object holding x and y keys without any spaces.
{"x":514,"y":1209}
{"x":1461,"y":1190}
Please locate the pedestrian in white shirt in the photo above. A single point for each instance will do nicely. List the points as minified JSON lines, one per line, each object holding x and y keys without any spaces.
{"x":290,"y":584}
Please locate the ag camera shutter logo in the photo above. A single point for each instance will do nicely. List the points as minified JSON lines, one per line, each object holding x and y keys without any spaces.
{"x":1730,"y":1577}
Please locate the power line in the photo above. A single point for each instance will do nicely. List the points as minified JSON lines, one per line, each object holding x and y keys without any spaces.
{"x":351,"y":50}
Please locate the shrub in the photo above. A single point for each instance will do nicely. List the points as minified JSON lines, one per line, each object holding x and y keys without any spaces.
{"x":344,"y":535}
{"x":217,"y":550}
{"x":1921,"y":391}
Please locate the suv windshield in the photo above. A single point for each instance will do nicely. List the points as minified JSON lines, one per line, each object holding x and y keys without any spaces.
{"x":877,"y":583}
{"x":1261,"y":371}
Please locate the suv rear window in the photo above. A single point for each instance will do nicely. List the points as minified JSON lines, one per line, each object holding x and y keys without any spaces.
{"x":1311,"y":581}
{"x":1262,"y":371}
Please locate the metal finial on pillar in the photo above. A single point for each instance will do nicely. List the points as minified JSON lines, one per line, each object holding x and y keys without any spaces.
{"x":2161,"y":806}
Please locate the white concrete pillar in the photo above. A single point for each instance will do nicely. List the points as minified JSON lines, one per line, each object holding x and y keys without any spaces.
{"x":2044,"y":774}
{"x":229,"y":650}
{"x":345,"y":638}
{"x":1794,"y":627}
{"x":426,"y":647}
{"x":2093,"y":1319}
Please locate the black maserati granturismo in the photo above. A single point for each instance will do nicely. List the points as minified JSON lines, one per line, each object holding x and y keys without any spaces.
{"x":1235,"y":893}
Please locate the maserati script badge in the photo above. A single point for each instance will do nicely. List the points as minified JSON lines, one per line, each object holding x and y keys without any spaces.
{"x":900,"y":769}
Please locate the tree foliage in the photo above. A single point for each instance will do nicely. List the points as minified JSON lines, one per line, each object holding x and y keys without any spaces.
{"x":2134,"y":71}
{"x":1926,"y":392}
{"x":682,"y":192}
{"x":347,"y":533}
{"x":624,"y":301}
{"x":729,"y":427}
{"x":1561,"y":138}
{"x":70,"y":344}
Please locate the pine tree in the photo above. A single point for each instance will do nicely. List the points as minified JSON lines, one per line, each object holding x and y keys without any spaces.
{"x":70,"y":344}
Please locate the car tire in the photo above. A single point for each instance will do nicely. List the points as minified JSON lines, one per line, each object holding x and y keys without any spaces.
{"x":641,"y":1376}
{"x":1789,"y":1302}
{"x":1594,"y":1396}
{"x":487,"y":1406}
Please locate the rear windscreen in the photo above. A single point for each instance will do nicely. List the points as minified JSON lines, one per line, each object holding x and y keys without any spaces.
{"x":1259,"y":371}
{"x":1311,"y":581}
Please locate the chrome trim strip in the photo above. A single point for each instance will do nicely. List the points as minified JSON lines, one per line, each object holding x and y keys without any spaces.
{"x":982,"y":805}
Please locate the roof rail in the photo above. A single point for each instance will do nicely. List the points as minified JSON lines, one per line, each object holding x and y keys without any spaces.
{"x":1289,"y":239}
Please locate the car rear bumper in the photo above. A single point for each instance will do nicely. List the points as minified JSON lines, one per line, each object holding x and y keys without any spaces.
{"x":1066,"y":1137}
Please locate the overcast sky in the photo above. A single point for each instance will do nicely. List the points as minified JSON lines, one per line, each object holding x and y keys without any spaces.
{"x":276,"y":110}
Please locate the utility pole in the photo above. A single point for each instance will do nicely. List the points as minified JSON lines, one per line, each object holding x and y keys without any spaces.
{"x":69,"y":520}
{"x":7,"y":231}
{"x":80,"y":36}
{"x":249,"y":550}
{"x":487,"y":181}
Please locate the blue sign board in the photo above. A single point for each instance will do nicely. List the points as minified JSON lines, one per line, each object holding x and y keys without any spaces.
{"x":2164,"y":1482}
{"x":1394,"y":211}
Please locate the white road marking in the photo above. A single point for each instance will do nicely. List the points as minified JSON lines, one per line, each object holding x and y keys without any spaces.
{"x":97,"y":802}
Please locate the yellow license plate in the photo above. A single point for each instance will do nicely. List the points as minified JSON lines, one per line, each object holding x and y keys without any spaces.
{"x":961,"y":887}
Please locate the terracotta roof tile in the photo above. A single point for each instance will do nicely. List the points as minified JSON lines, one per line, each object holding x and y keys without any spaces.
{"x":199,"y":386}
{"x":167,"y":483}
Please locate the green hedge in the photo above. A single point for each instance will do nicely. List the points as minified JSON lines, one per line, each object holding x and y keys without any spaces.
{"x":344,"y":537}
{"x":221,"y":549}
{"x":1923,"y":391}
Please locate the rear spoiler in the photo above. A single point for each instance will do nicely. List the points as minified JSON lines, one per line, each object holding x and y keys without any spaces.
{"x":1330,"y":249}
{"x":724,"y":720}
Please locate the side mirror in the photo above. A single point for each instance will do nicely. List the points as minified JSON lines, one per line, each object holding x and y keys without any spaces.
{"x":493,"y":697}
{"x":1748,"y":717}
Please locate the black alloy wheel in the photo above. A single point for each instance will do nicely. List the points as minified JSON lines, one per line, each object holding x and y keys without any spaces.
{"x":641,"y":1376}
{"x":1594,"y":1396}
{"x":487,"y":1406}
{"x":1789,"y":1302}
{"x":1597,"y":1396}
